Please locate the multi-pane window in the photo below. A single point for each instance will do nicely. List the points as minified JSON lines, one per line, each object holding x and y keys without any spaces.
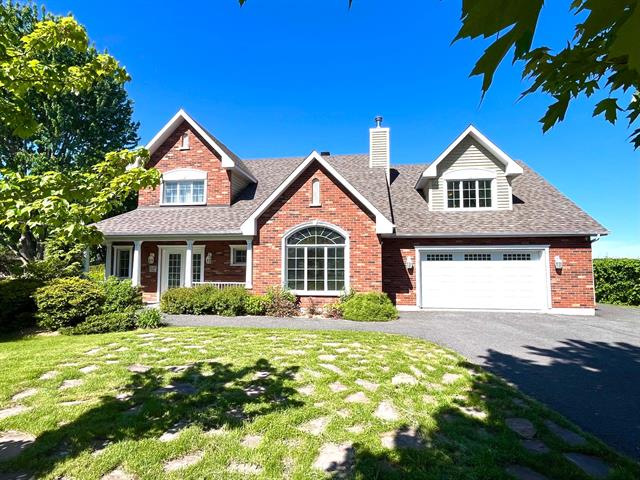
{"x":315,"y":192}
{"x":183,"y":191}
{"x":439,"y":257}
{"x":476,"y":257}
{"x":315,"y":260}
{"x":196,"y":265}
{"x":123,"y":262}
{"x":238,"y":255}
{"x":516,"y":256}
{"x":174,"y":270}
{"x":474,"y":193}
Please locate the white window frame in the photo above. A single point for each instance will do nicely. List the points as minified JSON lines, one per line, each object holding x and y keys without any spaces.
{"x":233,"y":249}
{"x":183,"y":174}
{"x":117,"y":249}
{"x":198,"y":250}
{"x":315,"y":193}
{"x":184,"y":141}
{"x":461,"y":193}
{"x":347,"y":270}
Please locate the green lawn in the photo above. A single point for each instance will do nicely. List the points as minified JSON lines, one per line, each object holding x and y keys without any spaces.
{"x":268,"y":404}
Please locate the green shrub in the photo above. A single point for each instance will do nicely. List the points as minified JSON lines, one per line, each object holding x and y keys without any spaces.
{"x":205,"y":299}
{"x":120,"y":295}
{"x":256,"y":305}
{"x":281,"y":302}
{"x":333,"y":310}
{"x":617,"y":280}
{"x":66,"y":302}
{"x":96,"y":273}
{"x":103,"y":323}
{"x":17,"y":307}
{"x":369,"y":307}
{"x":148,"y":318}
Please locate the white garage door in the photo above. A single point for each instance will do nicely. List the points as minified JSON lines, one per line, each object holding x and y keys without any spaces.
{"x":483,"y":279}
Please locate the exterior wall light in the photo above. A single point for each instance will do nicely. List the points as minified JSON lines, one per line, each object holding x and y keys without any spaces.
{"x":151,"y":258}
{"x":209,"y":258}
{"x":558,"y":262}
{"x":409,"y":262}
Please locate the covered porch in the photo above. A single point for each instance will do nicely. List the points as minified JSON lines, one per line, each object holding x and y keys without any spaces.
{"x":159,"y":264}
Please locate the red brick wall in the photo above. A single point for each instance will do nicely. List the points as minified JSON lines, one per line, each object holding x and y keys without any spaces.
{"x":220,"y":268}
{"x":199,"y":156}
{"x":572,"y":287}
{"x":339,"y":208}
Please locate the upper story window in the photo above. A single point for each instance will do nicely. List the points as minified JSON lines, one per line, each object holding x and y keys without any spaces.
{"x":315,"y":193}
{"x":184,"y":186}
{"x":184,"y":141}
{"x":469,"y":194}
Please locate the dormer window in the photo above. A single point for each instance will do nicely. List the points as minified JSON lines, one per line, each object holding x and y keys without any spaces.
{"x":469,"y":194}
{"x":184,"y":141}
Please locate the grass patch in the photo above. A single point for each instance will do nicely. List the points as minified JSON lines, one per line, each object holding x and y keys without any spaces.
{"x":241,"y":403}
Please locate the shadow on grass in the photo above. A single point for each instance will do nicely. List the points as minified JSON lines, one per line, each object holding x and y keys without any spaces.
{"x":210,"y":395}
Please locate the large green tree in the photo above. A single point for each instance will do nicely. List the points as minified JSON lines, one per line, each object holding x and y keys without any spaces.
{"x":75,"y":129}
{"x":601,"y":57}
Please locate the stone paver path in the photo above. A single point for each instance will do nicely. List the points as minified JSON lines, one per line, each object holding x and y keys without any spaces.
{"x":29,"y":392}
{"x":75,"y":382}
{"x":183,"y":462}
{"x":567,"y":436}
{"x":522,"y":427}
{"x":592,"y":466}
{"x":137,"y":368}
{"x":251,"y":441}
{"x":358,"y":397}
{"x":13,"y":443}
{"x":245,"y":468}
{"x":407,"y":437}
{"x":336,"y":459}
{"x":338,"y":387}
{"x":49,"y":375}
{"x":315,"y":427}
{"x":524,"y":473}
{"x":371,"y":386}
{"x":89,"y":369}
{"x":404,"y":379}
{"x":535,"y":446}
{"x":11,"y":411}
{"x":385,"y":411}
{"x":118,"y":474}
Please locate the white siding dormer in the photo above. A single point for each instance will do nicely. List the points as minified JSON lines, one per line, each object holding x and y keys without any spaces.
{"x":471,"y":157}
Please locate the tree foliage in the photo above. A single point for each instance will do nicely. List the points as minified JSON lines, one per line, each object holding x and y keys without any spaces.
{"x":75,"y":129}
{"x":29,"y":64}
{"x":63,"y":205}
{"x":602,"y":57}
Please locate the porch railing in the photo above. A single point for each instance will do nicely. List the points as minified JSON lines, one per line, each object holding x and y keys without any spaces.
{"x":220,"y":284}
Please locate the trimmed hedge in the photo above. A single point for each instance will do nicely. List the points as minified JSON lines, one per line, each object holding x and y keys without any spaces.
{"x":66,"y":302}
{"x":17,"y":306}
{"x":368,"y":307}
{"x":617,"y":280}
{"x":205,"y":299}
{"x":120,"y":295}
{"x":103,"y":323}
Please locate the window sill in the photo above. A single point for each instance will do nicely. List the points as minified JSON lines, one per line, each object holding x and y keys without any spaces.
{"x":238,"y":264}
{"x":183,"y":204}
{"x":469,"y":209}
{"x":315,"y":205}
{"x":305,"y":293}
{"x":183,"y":148}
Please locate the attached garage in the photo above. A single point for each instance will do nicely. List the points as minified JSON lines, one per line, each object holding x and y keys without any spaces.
{"x":492,"y":278}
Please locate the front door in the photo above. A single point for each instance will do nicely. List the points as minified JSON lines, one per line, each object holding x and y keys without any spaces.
{"x":172,"y":269}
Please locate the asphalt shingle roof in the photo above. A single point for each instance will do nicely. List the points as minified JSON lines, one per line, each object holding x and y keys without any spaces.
{"x":539,"y":209}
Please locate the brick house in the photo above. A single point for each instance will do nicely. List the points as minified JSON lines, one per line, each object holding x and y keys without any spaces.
{"x":473,"y":229}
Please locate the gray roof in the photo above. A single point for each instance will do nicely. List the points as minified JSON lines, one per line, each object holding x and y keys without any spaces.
{"x":540,"y":208}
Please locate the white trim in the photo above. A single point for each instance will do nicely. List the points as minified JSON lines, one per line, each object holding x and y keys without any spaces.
{"x":249,"y":226}
{"x":108,"y":261}
{"x":162,"y":249}
{"x":177,"y":119}
{"x":116,"y":258}
{"x":136,"y":271}
{"x":183,"y":175}
{"x":511,"y":167}
{"x":544,"y":249}
{"x":408,"y":308}
{"x":175,"y":237}
{"x":248,"y":272}
{"x":486,"y":235}
{"x":315,"y":202}
{"x":470,"y":174}
{"x":233,"y":248}
{"x":461,"y":195}
{"x":347,"y":260}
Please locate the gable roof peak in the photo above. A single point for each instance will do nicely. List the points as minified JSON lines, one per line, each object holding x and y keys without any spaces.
{"x":512,"y":168}
{"x":230,"y":160}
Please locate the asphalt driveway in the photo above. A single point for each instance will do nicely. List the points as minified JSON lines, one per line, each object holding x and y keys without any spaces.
{"x":587,"y":368}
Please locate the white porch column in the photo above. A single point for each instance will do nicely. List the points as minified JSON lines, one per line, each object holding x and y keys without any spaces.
{"x":86,"y":258}
{"x":188,"y":265}
{"x":248,"y":282}
{"x":135,"y":274}
{"x":108,"y":262}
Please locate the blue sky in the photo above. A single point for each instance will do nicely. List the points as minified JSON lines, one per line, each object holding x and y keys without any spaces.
{"x":278,"y":78}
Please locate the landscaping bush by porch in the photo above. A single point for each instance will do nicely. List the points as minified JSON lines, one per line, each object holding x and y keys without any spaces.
{"x":205,"y":300}
{"x":103,"y":323}
{"x":617,"y":280}
{"x":17,"y":307}
{"x":120,"y":295}
{"x":66,"y":302}
{"x":368,"y":307}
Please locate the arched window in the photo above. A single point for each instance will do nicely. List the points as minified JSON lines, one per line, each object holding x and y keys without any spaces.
{"x":315,"y":192}
{"x":184,"y":144}
{"x":315,"y":261}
